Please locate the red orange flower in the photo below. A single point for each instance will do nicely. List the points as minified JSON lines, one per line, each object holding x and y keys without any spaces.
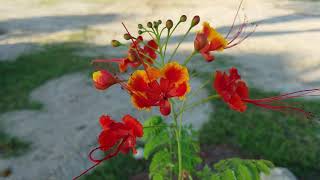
{"x":116,"y":137}
{"x":235,"y":93}
{"x":136,"y":55}
{"x":209,"y":40}
{"x":113,"y":132}
{"x":153,"y":87}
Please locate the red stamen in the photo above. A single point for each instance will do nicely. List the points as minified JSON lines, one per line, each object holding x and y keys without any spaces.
{"x":117,"y":60}
{"x":266,"y":102}
{"x":289,"y":95}
{"x":234,"y":20}
{"x":249,"y":34}
{"x":98,"y":161}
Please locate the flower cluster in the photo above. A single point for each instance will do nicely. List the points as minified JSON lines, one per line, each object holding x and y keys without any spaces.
{"x":158,"y":81}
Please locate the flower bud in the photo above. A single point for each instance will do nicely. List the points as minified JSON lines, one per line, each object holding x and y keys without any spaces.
{"x":115,"y":43}
{"x":183,"y":18}
{"x":103,"y":79}
{"x":200,"y":42}
{"x":195,"y":21}
{"x":159,"y":21}
{"x":140,"y":32}
{"x":149,"y":24}
{"x":140,"y":26}
{"x":169,"y":24}
{"x":127,"y":36}
{"x":155,"y":24}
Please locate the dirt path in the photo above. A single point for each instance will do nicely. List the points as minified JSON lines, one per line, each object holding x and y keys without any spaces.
{"x":282,"y":55}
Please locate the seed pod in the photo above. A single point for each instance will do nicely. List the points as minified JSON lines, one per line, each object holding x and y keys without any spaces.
{"x":127,"y":36}
{"x":183,"y":18}
{"x":140,"y":26}
{"x":149,"y":24}
{"x":195,"y":21}
{"x":115,"y":43}
{"x":169,"y":24}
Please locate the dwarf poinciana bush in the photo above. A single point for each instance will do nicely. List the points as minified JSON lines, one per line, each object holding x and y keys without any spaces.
{"x":159,"y":81}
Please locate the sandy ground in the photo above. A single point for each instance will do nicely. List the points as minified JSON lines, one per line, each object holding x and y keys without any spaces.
{"x":282,"y":55}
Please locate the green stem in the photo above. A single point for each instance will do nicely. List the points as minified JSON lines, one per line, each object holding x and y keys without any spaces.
{"x":166,"y":42}
{"x":189,"y":58}
{"x":175,"y":50}
{"x":179,"y":156}
{"x":177,"y":130}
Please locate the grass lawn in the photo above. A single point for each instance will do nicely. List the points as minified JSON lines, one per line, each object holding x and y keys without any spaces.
{"x":20,"y":77}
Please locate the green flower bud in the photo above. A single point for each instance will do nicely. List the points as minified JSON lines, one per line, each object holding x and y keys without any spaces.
{"x":149,"y":24}
{"x":127,"y":36}
{"x":169,"y":24}
{"x":140,"y":26}
{"x":140,"y":32}
{"x":155,"y":24}
{"x":183,"y":18}
{"x":159,"y":21}
{"x":115,"y":43}
{"x":195,"y":21}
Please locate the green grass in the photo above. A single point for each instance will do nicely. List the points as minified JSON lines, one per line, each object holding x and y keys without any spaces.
{"x":120,"y":167}
{"x":286,"y":140}
{"x":20,"y":77}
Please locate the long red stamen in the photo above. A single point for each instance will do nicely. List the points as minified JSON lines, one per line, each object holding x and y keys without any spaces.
{"x":244,"y":38}
{"x":234,"y":20}
{"x":236,"y":35}
{"x":285,"y":109}
{"x":98,"y":161}
{"x":291,"y":95}
{"x":267,"y":102}
{"x":116,"y":60}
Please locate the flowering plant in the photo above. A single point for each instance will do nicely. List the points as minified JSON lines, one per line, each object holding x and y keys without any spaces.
{"x":160,"y":82}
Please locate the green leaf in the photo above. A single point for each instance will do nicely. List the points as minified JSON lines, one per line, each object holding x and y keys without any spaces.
{"x":262,"y":167}
{"x":157,"y":177}
{"x":237,"y":169}
{"x":228,"y":174}
{"x":215,"y":177}
{"x":155,"y":142}
{"x":160,"y":164}
{"x":153,"y":121}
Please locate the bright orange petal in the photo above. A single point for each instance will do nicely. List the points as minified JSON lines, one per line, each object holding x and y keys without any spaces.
{"x":138,"y":81}
{"x":140,"y":102}
{"x":216,"y":39}
{"x":175,"y":73}
{"x":153,"y":73}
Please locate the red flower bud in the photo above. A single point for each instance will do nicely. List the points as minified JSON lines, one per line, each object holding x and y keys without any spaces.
{"x":195,"y":21}
{"x":103,"y":79}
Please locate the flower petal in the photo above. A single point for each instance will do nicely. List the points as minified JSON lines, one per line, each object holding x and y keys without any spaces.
{"x":237,"y":104}
{"x":138,"y":81}
{"x":133,"y":124}
{"x":175,"y":73}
